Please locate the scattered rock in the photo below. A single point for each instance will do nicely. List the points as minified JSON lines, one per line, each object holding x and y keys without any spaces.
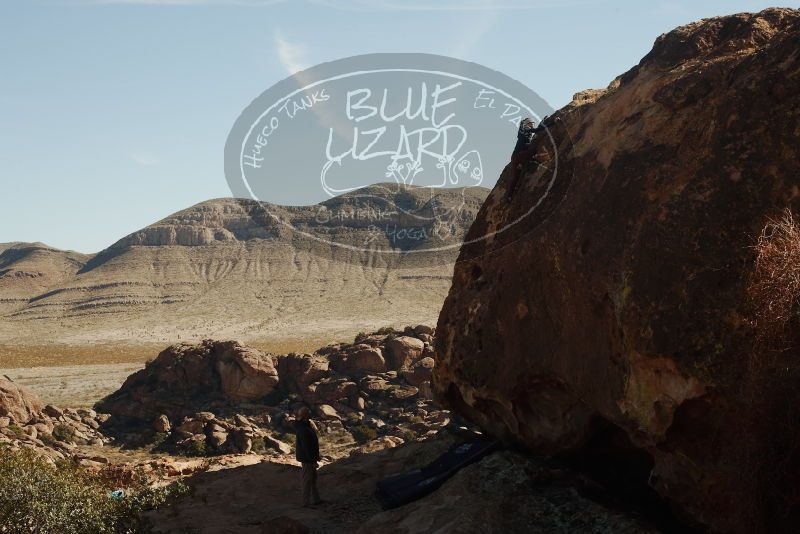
{"x":424,"y":329}
{"x":278,"y":445}
{"x":53,"y":411}
{"x":327,"y":412}
{"x":161,"y":424}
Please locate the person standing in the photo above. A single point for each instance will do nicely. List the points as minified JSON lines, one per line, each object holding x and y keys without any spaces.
{"x":307,"y":453}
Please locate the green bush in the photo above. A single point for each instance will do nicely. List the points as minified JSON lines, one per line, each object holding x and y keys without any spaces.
{"x":37,"y":497}
{"x":363,"y":433}
{"x":195,"y":448}
{"x":159,"y":438}
{"x":63,"y":432}
{"x":47,"y":439}
{"x":408,"y":436}
{"x":16,"y":429}
{"x":258,"y":444}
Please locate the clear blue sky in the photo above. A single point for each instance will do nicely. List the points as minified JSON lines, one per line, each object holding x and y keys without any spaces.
{"x":114,"y":113}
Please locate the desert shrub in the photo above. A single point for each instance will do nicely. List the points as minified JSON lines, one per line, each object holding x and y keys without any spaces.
{"x":386,"y":330}
{"x":768,"y":449}
{"x":37,"y":497}
{"x":16,"y":429}
{"x":383,"y":414}
{"x":159,"y":438}
{"x":363,"y":433}
{"x":63,"y":432}
{"x":774,"y":286}
{"x":353,"y":418}
{"x":259,"y":445}
{"x":47,"y":439}
{"x":288,"y":437}
{"x":361,"y":336}
{"x":195,"y":447}
{"x":407,"y":435}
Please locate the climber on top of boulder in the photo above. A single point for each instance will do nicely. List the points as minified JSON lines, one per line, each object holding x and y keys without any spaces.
{"x":522,"y":151}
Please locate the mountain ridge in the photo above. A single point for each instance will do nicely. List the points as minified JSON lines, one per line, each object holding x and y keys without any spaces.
{"x":227,"y":267}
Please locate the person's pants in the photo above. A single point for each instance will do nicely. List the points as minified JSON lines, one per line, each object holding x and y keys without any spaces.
{"x":310,"y":492}
{"x":518,"y":160}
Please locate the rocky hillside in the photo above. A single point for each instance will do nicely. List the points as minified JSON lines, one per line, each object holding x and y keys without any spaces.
{"x":227,"y":268}
{"x":619,"y":329}
{"x":29,"y":269}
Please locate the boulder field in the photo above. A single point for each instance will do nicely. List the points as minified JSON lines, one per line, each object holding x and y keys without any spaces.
{"x":618,"y":319}
{"x":218,"y":397}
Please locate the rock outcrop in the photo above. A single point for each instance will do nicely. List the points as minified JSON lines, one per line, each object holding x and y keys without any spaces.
{"x":192,"y":398}
{"x":17,"y":402}
{"x":615,"y":316}
{"x":52,"y":432}
{"x":186,"y":376}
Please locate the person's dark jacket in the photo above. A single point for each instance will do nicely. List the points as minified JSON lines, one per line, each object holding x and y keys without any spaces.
{"x":307,"y":444}
{"x":524,"y":136}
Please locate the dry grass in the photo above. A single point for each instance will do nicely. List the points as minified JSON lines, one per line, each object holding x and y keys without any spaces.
{"x":770,"y":442}
{"x":58,"y":355}
{"x":774,"y":287}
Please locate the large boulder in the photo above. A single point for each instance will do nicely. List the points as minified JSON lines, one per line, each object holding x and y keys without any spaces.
{"x":246,"y":375}
{"x":17,"y":402}
{"x":420,"y":372}
{"x":330,"y":390}
{"x":185,"y":377}
{"x":616,"y":314}
{"x":404,"y":351}
{"x":359,"y":360}
{"x":297,"y":371}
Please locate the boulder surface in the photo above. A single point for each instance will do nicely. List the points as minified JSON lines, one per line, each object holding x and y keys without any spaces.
{"x":615,"y":316}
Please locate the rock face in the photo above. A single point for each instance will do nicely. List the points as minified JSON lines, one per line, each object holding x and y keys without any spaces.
{"x":619,"y":317}
{"x":186,"y":375}
{"x":17,"y":402}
